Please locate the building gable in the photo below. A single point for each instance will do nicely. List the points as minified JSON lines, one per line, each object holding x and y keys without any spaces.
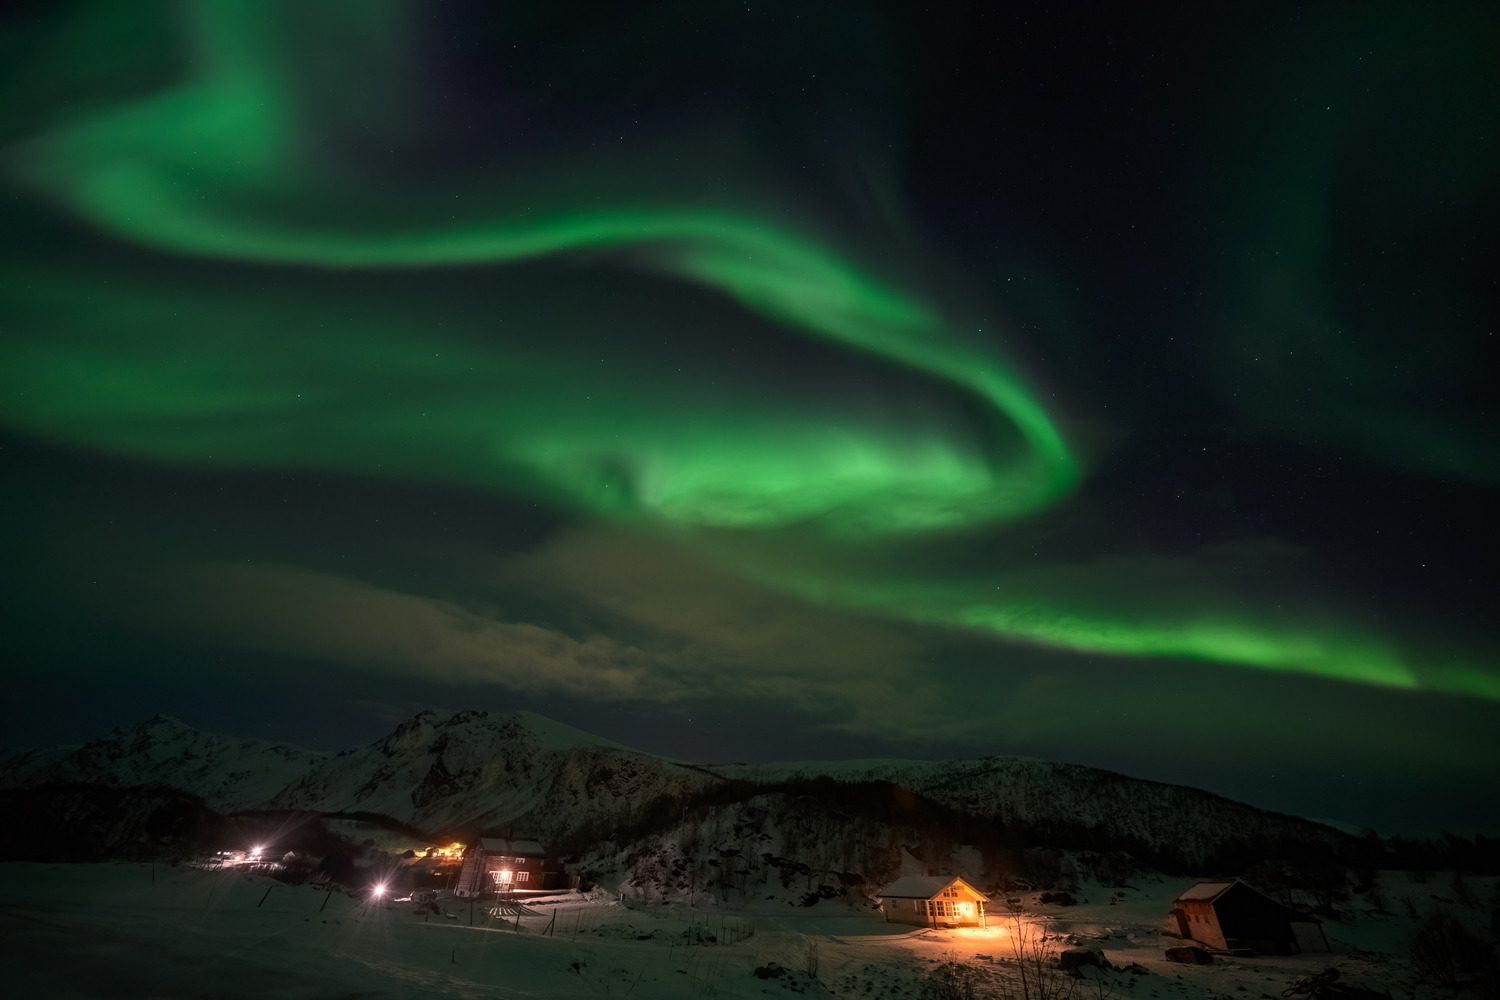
{"x":931,"y":887}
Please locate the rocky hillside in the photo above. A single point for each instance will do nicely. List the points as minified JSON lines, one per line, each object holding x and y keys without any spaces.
{"x":523,"y":773}
{"x":228,"y":773}
{"x":1081,"y":806}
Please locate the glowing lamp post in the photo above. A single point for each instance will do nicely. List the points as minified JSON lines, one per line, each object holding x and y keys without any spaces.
{"x":377,"y":893}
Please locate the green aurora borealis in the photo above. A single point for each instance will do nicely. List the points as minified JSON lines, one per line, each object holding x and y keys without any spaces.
{"x":196,"y":171}
{"x":683,"y":355}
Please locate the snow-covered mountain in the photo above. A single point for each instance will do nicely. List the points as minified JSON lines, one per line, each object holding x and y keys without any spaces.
{"x":229,"y":773}
{"x":436,"y":771}
{"x":473,"y":770}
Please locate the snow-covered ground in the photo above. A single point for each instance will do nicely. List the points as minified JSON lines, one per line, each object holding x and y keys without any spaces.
{"x":124,"y":930}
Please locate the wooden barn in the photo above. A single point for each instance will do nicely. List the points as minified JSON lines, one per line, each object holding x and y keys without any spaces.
{"x":494,"y":864}
{"x":933,"y":901}
{"x":1231,"y":916}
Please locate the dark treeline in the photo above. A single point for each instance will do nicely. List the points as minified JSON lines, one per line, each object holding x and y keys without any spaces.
{"x":90,"y":823}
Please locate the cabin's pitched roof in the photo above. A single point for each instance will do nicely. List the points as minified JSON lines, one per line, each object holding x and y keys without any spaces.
{"x":923,"y":887}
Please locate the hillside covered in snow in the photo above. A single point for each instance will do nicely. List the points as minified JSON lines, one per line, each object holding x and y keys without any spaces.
{"x":464,"y":772}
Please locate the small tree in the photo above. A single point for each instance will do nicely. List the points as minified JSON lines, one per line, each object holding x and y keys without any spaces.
{"x":649,"y":873}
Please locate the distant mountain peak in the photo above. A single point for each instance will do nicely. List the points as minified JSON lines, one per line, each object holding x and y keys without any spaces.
{"x":430,"y":725}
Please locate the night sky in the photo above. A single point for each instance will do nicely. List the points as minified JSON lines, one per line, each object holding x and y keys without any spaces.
{"x":756,"y":381}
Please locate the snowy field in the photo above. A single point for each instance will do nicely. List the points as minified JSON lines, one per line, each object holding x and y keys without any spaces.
{"x":118,"y":930}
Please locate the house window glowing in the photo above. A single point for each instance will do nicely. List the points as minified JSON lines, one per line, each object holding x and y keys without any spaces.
{"x":503,"y":878}
{"x":967,"y":909}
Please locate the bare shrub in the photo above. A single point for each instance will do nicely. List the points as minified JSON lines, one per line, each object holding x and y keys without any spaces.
{"x":955,"y":979}
{"x":1036,"y":961}
{"x":1443,"y":948}
{"x":810,"y":959}
{"x":1463,"y":892}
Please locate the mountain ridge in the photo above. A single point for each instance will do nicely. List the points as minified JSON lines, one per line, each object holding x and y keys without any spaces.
{"x":473,"y":770}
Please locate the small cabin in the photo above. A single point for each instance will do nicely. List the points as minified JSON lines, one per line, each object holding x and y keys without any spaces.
{"x":1231,"y":916}
{"x":933,"y":901}
{"x":495,"y":864}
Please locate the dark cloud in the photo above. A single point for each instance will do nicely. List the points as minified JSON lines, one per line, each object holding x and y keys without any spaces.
{"x":287,"y":610}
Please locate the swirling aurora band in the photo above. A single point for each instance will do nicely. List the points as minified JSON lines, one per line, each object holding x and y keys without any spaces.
{"x":206,"y":169}
{"x":210,"y":169}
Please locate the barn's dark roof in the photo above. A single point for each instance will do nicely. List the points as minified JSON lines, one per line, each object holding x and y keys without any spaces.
{"x":499,"y":845}
{"x":1208,"y":892}
{"x":1205,"y":891}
